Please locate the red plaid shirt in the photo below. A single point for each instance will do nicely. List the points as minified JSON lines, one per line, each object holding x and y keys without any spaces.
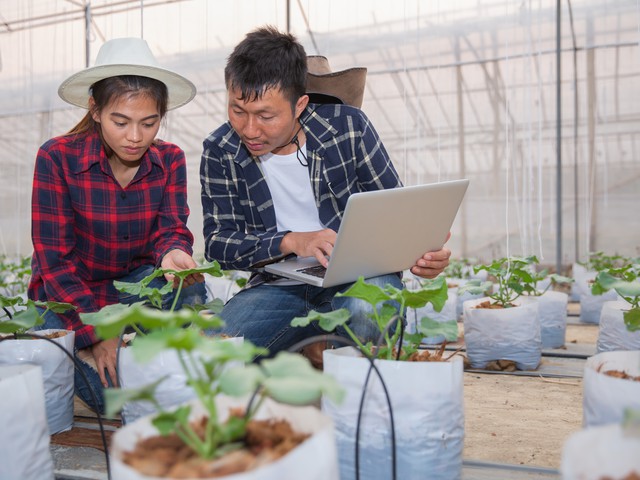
{"x":88,"y":231}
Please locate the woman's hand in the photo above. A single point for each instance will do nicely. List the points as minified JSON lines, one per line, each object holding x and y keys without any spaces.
{"x":179,"y":260}
{"x":104,"y":353}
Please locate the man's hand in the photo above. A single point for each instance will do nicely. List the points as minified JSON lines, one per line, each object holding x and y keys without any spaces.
{"x":104,"y":353}
{"x":432,"y":264}
{"x":318,"y":244}
{"x":179,"y":260}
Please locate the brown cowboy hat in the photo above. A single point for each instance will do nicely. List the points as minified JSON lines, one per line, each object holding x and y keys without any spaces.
{"x":325,"y":86}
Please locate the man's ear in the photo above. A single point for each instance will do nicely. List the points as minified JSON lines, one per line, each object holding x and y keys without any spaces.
{"x":93,"y":110}
{"x":301,"y":104}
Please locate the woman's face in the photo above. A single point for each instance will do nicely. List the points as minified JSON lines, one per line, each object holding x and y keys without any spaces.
{"x":129,"y":125}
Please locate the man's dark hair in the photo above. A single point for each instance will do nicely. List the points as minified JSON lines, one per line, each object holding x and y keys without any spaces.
{"x":267,"y":58}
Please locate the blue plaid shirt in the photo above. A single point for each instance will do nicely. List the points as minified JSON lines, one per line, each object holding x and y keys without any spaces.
{"x":345,"y":156}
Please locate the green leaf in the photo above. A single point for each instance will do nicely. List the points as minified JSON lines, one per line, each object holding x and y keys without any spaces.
{"x":475,"y":287}
{"x":372,"y":294}
{"x":292,"y":379}
{"x":431,"y":328}
{"x":239,"y":381}
{"x":212,"y":268}
{"x":166,"y":422}
{"x":224,"y":350}
{"x":57,"y":307}
{"x":11,"y":301}
{"x":433,"y":291}
{"x":632,"y":319}
{"x":22,"y":321}
{"x":116,"y":398}
{"x":112,"y":319}
{"x":327,"y":321}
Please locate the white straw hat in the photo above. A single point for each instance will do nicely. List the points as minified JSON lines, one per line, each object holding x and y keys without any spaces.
{"x":125,"y":56}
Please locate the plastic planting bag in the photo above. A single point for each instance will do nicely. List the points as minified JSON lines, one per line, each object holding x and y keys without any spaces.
{"x":552,"y":310}
{"x":613,"y":333}
{"x":314,"y":459}
{"x":503,"y":334}
{"x":24,"y":436}
{"x":601,"y":452}
{"x":57,"y":372}
{"x":605,"y":397}
{"x":427,"y":405}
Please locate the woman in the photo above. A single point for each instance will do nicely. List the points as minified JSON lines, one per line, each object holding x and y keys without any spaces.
{"x":109,"y":200}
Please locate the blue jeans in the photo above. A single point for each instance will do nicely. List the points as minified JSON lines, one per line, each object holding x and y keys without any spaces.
{"x":192,"y":295}
{"x":263,"y":314}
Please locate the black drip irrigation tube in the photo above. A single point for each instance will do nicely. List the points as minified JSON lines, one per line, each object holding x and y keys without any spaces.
{"x":372,"y":367}
{"x":17,"y":336}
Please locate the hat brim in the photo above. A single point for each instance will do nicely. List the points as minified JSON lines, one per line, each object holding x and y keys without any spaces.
{"x":75,"y":89}
{"x":346,"y":85}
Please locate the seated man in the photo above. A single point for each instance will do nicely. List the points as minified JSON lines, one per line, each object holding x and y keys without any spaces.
{"x":275,"y":181}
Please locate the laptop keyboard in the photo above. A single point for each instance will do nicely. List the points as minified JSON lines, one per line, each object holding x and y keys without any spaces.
{"x":316,"y":271}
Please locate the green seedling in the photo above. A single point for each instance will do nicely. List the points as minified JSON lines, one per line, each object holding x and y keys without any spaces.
{"x":513,"y":278}
{"x":459,"y":268}
{"x":18,"y":315}
{"x":537,"y":276}
{"x":389,"y":304}
{"x":14,"y":275}
{"x":210,"y":365}
{"x":625,"y":282}
{"x":599,"y":261}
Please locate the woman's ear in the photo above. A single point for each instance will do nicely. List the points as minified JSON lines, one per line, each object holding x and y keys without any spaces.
{"x":95,"y":114}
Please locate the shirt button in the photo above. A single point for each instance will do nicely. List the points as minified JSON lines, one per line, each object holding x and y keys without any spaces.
{"x":123,"y":195}
{"x":126,"y":237}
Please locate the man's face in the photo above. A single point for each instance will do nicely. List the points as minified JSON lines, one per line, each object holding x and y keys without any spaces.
{"x":266,"y":124}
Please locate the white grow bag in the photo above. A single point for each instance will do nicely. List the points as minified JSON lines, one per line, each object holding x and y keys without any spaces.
{"x":601,"y":452}
{"x":605,"y":398}
{"x":503,"y":334}
{"x":427,"y":403}
{"x":613,"y":333}
{"x":552,"y":310}
{"x":57,"y":372}
{"x":24,"y":436}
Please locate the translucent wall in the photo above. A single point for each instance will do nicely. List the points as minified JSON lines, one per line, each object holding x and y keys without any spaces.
{"x":455,"y":89}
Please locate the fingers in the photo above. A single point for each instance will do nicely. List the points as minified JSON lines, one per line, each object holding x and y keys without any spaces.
{"x":432,"y":264}
{"x":316,"y":244}
{"x":104,"y":353}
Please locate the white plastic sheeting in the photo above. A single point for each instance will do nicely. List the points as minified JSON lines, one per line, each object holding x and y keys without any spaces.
{"x":455,"y":88}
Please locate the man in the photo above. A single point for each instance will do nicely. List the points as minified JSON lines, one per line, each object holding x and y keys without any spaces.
{"x":275,"y":181}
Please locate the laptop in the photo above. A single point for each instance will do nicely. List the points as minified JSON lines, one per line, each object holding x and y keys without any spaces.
{"x":382,"y":231}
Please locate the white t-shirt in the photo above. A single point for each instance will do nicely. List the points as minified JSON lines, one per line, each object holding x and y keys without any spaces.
{"x":290,"y":188}
{"x":293,"y":199}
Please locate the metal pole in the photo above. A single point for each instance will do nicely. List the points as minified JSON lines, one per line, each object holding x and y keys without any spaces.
{"x":87,"y":34}
{"x":559,"y":137}
{"x":288,"y":16}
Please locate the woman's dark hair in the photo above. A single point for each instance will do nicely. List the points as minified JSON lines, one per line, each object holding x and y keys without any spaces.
{"x":114,"y":88}
{"x":267,"y":58}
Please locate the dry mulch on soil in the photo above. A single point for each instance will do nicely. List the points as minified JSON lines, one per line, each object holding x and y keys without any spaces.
{"x":265,"y":441}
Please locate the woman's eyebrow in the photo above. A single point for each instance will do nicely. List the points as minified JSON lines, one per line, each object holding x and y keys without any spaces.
{"x":122,"y":115}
